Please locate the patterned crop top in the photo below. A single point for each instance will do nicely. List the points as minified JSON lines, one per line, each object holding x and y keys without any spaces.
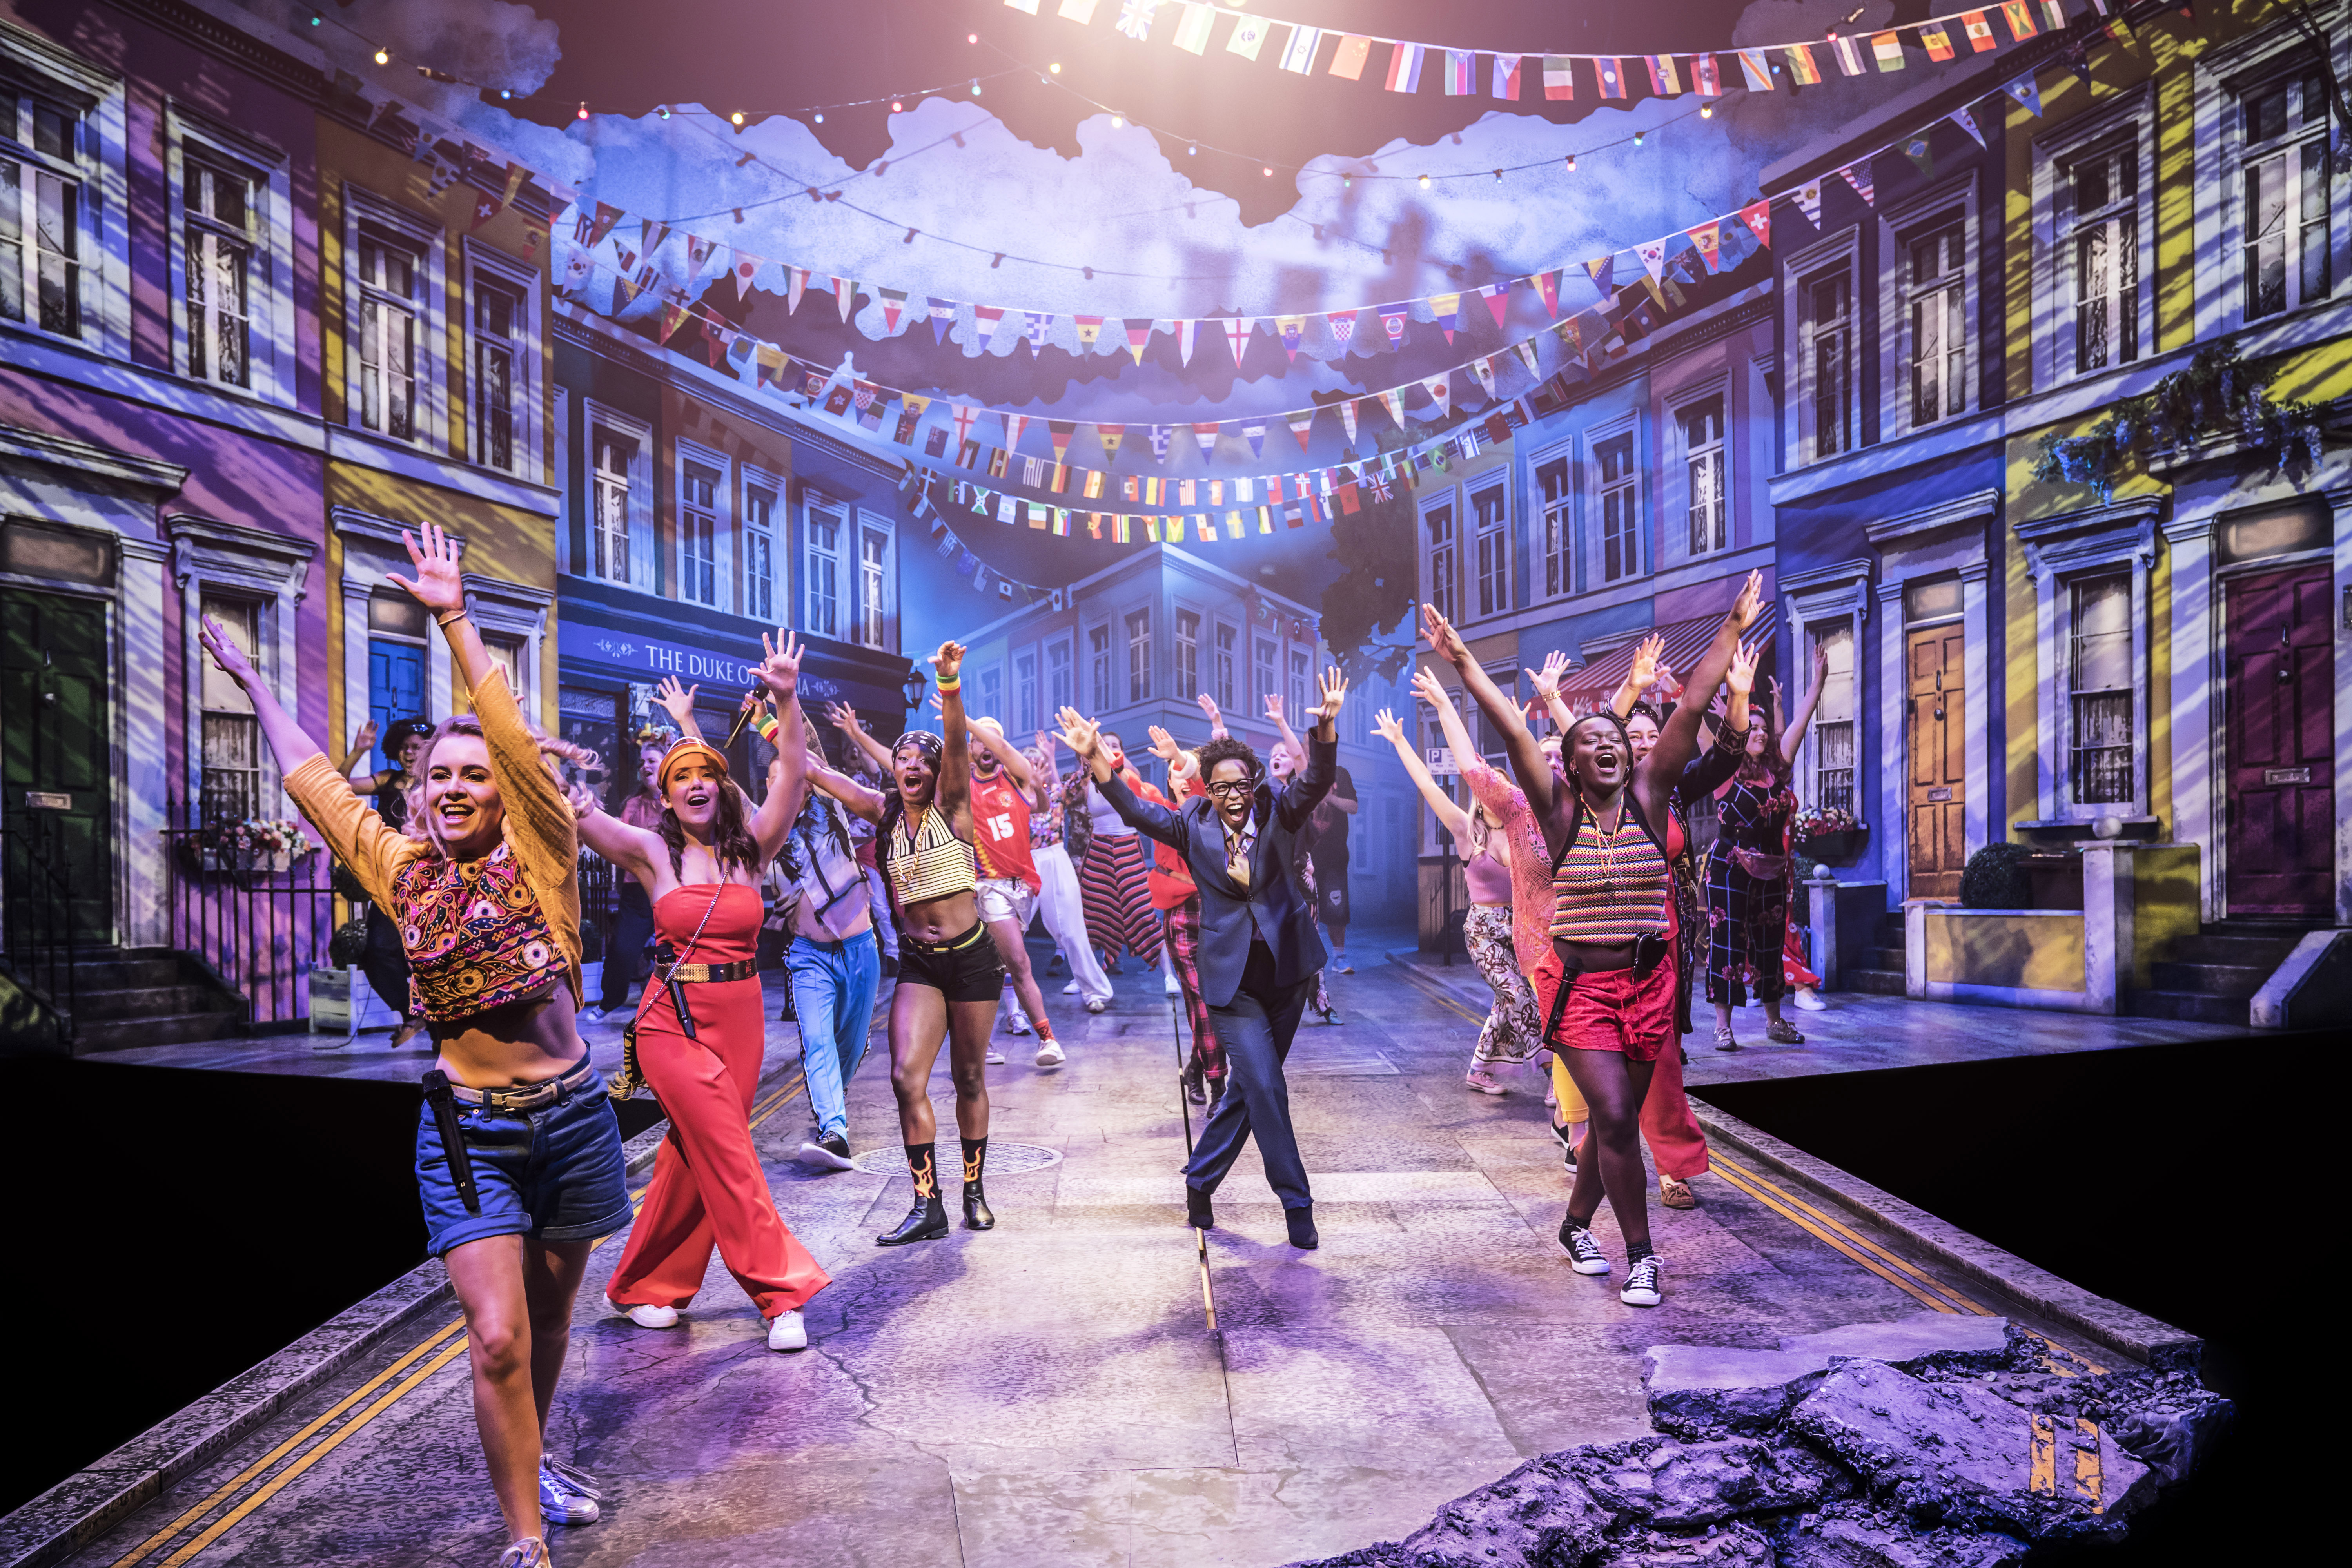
{"x":930,"y":862}
{"x":479,"y":933}
{"x":1611,"y":887}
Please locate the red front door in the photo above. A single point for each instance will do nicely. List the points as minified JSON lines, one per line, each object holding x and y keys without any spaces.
{"x":2282,"y":746}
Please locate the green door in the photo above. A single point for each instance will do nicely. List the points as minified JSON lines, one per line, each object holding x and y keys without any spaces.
{"x":53,"y":723}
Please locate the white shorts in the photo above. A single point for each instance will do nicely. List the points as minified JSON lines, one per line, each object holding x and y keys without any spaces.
{"x":1006,"y":898}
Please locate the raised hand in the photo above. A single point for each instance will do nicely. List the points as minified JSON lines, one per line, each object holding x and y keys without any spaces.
{"x":364,"y":741}
{"x":437,"y":585}
{"x":580,"y":800}
{"x":1431,"y":690}
{"x":1217,"y":730}
{"x":1741,"y":675}
{"x":1080,"y":734}
{"x":1274,"y":706}
{"x":949,"y":659}
{"x":227,"y":655}
{"x":1645,"y":673}
{"x":780,"y":670}
{"x":1334,"y":688}
{"x":1163,"y":744}
{"x":1444,"y":640}
{"x":1820,"y":663}
{"x":1045,"y":741}
{"x":678,"y":700}
{"x":1750,"y":602}
{"x":1385,"y":723}
{"x":1665,"y":679}
{"x":843,"y":717}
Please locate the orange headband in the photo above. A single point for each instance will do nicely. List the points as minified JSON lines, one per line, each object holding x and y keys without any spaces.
{"x":684,"y":750}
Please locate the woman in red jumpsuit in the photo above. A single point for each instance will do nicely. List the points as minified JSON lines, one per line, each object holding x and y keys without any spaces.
{"x":701,"y":1030}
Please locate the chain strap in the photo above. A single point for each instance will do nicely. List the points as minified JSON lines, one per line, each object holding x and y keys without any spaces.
{"x":629,"y":1080}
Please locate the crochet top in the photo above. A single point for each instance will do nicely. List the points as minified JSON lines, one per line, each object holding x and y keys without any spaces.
{"x":1611,"y":887}
{"x":930,"y":862}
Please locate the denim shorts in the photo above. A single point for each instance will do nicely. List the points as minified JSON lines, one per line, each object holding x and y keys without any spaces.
{"x":555,"y":1173}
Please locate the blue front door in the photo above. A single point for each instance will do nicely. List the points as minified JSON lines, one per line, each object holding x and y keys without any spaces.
{"x":395,"y":685}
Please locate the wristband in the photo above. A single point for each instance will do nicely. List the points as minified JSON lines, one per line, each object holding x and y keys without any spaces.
{"x":446,"y":616}
{"x":951,"y":683}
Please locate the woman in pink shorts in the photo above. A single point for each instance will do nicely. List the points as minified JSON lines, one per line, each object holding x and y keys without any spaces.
{"x":1606,"y":990}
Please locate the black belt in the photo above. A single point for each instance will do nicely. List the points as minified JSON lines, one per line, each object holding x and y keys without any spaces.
{"x":704,"y":974}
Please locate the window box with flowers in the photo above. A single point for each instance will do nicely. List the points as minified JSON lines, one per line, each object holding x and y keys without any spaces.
{"x":1830,"y":834}
{"x":255,"y":844}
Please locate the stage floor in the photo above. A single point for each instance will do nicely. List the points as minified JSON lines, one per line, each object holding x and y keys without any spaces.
{"x":1050,"y":1393}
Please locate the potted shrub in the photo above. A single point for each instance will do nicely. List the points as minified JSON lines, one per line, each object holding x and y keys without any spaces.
{"x":1829,"y":835}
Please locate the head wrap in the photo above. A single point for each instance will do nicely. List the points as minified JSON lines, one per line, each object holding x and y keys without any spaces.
{"x":685,"y":752}
{"x":923,"y":740}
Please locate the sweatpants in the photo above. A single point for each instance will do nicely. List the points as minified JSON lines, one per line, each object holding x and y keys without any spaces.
{"x":1062,"y":906}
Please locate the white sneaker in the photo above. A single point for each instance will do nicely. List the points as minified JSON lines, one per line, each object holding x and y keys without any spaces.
{"x":1172,"y":988}
{"x":1018,"y":1024}
{"x":1809,"y":1000}
{"x":1071,"y":989}
{"x":1641,"y":1285}
{"x":1050,"y":1055}
{"x":1340,"y":962}
{"x":787,"y":1333}
{"x":1096,"y":1003}
{"x":565,"y":1496}
{"x":645,"y":1317}
{"x":995,"y":1058}
{"x":592,"y":1015}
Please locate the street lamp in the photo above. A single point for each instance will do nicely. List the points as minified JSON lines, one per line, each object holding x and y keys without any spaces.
{"x":914,"y":686}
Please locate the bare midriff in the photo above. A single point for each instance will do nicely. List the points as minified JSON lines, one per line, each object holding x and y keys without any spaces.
{"x":940,"y":919}
{"x":518,"y":1042}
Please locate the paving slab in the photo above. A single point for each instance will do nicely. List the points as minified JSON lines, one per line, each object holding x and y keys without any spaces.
{"x":1049,"y":1392}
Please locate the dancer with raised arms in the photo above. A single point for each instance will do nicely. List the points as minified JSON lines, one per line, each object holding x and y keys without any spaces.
{"x":518,"y":1152}
{"x":699,"y":1034}
{"x":1259,"y":949}
{"x":1607,"y":986}
{"x":949,"y":972}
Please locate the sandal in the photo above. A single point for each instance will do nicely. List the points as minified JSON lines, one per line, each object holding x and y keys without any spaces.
{"x":1783,"y":1031}
{"x":1723,"y":1040}
{"x":1675,"y":1192}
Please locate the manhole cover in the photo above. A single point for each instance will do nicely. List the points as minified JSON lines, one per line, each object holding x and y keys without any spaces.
{"x":1004,"y":1159}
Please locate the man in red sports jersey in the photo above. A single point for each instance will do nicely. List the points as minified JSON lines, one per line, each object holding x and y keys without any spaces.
{"x":1001,"y":785}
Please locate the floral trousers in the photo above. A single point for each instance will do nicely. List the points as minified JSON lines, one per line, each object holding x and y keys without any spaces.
{"x":1512,"y":1032}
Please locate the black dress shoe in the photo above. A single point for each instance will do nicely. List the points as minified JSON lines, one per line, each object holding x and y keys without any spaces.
{"x":927,"y":1221}
{"x":1197,"y":1213}
{"x":1195,"y":1089}
{"x":977,"y":1214}
{"x":1302,"y":1228}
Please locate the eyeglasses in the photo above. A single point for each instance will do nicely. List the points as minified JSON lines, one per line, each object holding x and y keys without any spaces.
{"x":1230,"y":788}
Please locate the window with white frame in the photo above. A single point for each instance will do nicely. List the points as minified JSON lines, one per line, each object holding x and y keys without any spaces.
{"x":506,"y":653}
{"x":1098,"y":666}
{"x":2285,"y":178}
{"x":701,"y":497}
{"x":230,"y":787}
{"x":875,"y":606}
{"x":613,"y":501}
{"x":1221,"y":687}
{"x":1301,"y":684}
{"x":1262,"y":674}
{"x":1441,"y":549}
{"x":823,"y":524}
{"x":1620,"y":488}
{"x":758,"y":548}
{"x":1025,"y":692}
{"x":1826,"y":301}
{"x":1138,"y":655}
{"x":1493,"y":547}
{"x":1935,"y":300}
{"x":989,"y":690}
{"x":1188,"y":655}
{"x":226,"y":263}
{"x":1703,"y":474}
{"x":45,"y":170}
{"x":2099,"y":690}
{"x":500,"y":346}
{"x":1832,"y":737}
{"x":1061,"y":689}
{"x":2100,"y":253}
{"x":1559,"y":528}
{"x":389,"y":283}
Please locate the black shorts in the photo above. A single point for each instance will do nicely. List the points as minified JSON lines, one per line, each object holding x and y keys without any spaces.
{"x":1331,"y":889}
{"x":966,"y":968}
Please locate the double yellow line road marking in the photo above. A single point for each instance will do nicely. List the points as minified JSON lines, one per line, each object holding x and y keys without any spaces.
{"x":443,"y":1346}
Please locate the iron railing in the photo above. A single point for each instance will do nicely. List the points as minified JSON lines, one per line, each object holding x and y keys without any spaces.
{"x":37,"y":920}
{"x":261,"y":926}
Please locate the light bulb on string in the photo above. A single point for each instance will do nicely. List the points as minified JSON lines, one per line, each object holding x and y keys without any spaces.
{"x":317,"y":20}
{"x":1637,"y":139}
{"x":1118,"y":122}
{"x":820,"y":118}
{"x":1194,"y":151}
{"x":735,"y":118}
{"x":1571,"y":162}
{"x":584,"y":111}
{"x":896,"y":107}
{"x":384,"y":57}
{"x":1055,"y":68}
{"x":1707,"y":111}
{"x":1269,"y":171}
{"x":1425,"y":182}
{"x":1498,"y":176}
{"x":971,"y":38}
{"x":976,"y":87}
{"x":662,"y":109}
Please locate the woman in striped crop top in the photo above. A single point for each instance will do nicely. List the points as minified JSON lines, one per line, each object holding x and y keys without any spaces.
{"x":950,"y":976}
{"x":519,"y":1159}
{"x":1608,"y":987}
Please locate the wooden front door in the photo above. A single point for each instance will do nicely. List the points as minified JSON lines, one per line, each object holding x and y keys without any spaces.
{"x":1936,"y":745}
{"x":56,"y":794}
{"x":2281,"y":768}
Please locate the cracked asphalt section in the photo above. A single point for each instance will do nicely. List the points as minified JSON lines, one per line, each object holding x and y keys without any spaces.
{"x":1048,"y":1393}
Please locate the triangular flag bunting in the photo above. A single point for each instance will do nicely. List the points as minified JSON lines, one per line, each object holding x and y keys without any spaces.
{"x":2026,"y":92}
{"x":1923,"y":158}
{"x":1301,"y":422}
{"x":746,"y":264}
{"x":1548,"y":284}
{"x":1441,"y":392}
{"x":894,"y":303}
{"x":1111,"y":436}
{"x":1291,"y":328}
{"x":844,"y":291}
{"x":1343,"y":326}
{"x":1348,"y":418}
{"x":1968,"y":122}
{"x":1707,"y":237}
{"x":1809,"y":201}
{"x":1498,"y":300}
{"x":985,"y":318}
{"x":1446,"y":309}
{"x":1237,"y":332}
{"x":943,"y":315}
{"x":1857,"y":174}
{"x":1206,"y":436}
{"x":1393,"y":400}
{"x":1139,"y":336}
{"x":1758,"y":216}
{"x":1483,"y":367}
{"x":1392,"y":323}
{"x":1184,"y":332}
